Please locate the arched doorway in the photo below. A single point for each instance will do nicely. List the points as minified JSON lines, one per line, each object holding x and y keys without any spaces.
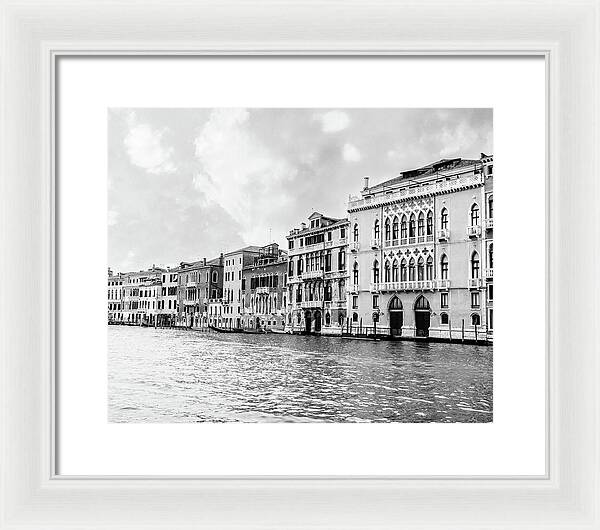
{"x":396,"y":316}
{"x":307,"y":321}
{"x":422,"y":317}
{"x":317,"y":321}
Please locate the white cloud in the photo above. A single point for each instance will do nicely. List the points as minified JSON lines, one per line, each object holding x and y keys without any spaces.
{"x":113,"y":217}
{"x":145,"y":148}
{"x":333,"y":121}
{"x":456,"y":141}
{"x":351,"y":153}
{"x":240,"y":174}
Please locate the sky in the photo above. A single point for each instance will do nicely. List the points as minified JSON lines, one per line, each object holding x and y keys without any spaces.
{"x":184,"y":184}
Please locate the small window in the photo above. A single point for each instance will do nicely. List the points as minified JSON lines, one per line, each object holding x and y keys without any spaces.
{"x":490,"y":292}
{"x":355,"y":302}
{"x":444,"y":300}
{"x":329,"y":236}
{"x":475,"y":299}
{"x":342,"y":233}
{"x":475,"y":319}
{"x":375,"y":301}
{"x":354,"y":317}
{"x":444,"y":318}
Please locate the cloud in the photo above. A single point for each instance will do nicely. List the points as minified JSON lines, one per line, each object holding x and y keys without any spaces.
{"x":145,"y":148}
{"x":333,"y":121}
{"x":351,"y":153}
{"x":453,"y":140}
{"x":113,"y":217}
{"x":240,"y":174}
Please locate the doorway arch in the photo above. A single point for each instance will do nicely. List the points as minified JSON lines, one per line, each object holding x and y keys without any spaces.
{"x":396,"y":316}
{"x":422,"y":316}
{"x":317,"y":316}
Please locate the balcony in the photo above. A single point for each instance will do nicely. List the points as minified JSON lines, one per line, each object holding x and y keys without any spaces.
{"x":354,"y":246}
{"x":489,"y":273}
{"x":443,"y":234}
{"x":424,"y":285}
{"x":336,"y":304}
{"x":474,"y":231}
{"x":191,"y":284}
{"x":190,"y":302}
{"x":374,"y":287}
{"x":309,"y":275}
{"x":331,"y":275}
{"x":375,"y":243}
{"x":262,"y":290}
{"x":354,"y":288}
{"x":443,"y":285}
{"x":474,"y":283}
{"x":311,"y":304}
{"x":489,"y":224}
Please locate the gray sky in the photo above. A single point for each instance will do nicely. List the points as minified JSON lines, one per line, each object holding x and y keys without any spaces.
{"x":189,"y":183}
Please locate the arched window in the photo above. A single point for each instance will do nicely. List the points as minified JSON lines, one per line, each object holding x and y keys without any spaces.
{"x":402,"y":270}
{"x":491,"y":207}
{"x":444,"y":267}
{"x":328,"y":292}
{"x":395,"y":228}
{"x":411,"y":270}
{"x":444,"y":219}
{"x":491,"y":256}
{"x":354,"y":317}
{"x":327,"y":319}
{"x":395,"y":304}
{"x":375,"y":271}
{"x":403,"y":228}
{"x":376,"y":229}
{"x":411,"y":226}
{"x":342,"y":260}
{"x":421,"y":225}
{"x":300,"y":265}
{"x":386,"y":273}
{"x":429,"y":269}
{"x":355,"y":273}
{"x":388,"y":233}
{"x":291,"y":268}
{"x":474,"y":215}
{"x":355,"y":232}
{"x":422,"y":304}
{"x":475,"y":320}
{"x":429,"y":223}
{"x":474,"y":265}
{"x":215,"y":276}
{"x":444,"y":318}
{"x":420,"y":268}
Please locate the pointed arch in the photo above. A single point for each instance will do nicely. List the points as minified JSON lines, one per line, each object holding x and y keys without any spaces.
{"x":474,"y":264}
{"x":421,"y":224}
{"x":474,"y":214}
{"x":376,"y":271}
{"x":395,"y":228}
{"x":376,"y":230}
{"x":420,"y":268}
{"x":411,"y":225}
{"x":444,"y":267}
{"x":395,"y":304}
{"x":422,"y":304}
{"x":429,"y":230}
{"x":444,"y":219}
{"x":388,"y":229}
{"x":387,"y":271}
{"x":403,"y":228}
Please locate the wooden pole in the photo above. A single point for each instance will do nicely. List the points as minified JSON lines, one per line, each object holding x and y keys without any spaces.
{"x":476,"y":333}
{"x":463,"y":330}
{"x":449,"y":328}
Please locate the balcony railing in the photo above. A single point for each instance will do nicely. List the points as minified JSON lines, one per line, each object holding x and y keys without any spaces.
{"x":335,"y":304}
{"x":262,"y":290}
{"x":375,"y":243}
{"x":354,"y":288}
{"x":489,"y":224}
{"x":474,"y":231}
{"x":191,"y":284}
{"x":489,"y":272}
{"x":311,"y":304}
{"x":336,"y":274}
{"x":354,"y":246}
{"x":443,"y":234}
{"x":443,"y":284}
{"x":474,"y":283}
{"x":413,"y":285}
{"x":374,"y":287}
{"x":308,"y":275}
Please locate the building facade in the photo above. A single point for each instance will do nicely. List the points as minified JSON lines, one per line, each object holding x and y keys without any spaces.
{"x":167,"y":300}
{"x":233,"y":265}
{"x":115,"y":296}
{"x":198,"y":283}
{"x":140,"y":296}
{"x":264,"y":289}
{"x":420,"y":255}
{"x":317,"y":276}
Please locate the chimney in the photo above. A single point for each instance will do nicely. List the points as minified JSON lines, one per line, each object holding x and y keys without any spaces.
{"x":303,"y":225}
{"x":204,"y":261}
{"x":221,"y":259}
{"x":366,"y":181}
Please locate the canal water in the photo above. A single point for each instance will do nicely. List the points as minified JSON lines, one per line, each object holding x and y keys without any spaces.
{"x":169,"y":375}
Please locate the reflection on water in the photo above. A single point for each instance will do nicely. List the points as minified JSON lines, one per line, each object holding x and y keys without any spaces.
{"x":185,"y":376}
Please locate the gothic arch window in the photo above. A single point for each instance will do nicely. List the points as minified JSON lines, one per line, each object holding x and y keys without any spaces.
{"x":429,"y":269}
{"x":411,"y":225}
{"x":474,"y":214}
{"x":376,"y":271}
{"x":422,"y":304}
{"x":429,"y":223}
{"x":421,"y":224}
{"x":474,"y":265}
{"x":395,"y":304}
{"x":444,"y":267}
{"x":444,"y":219}
{"x":395,"y":228}
{"x":403,"y":228}
{"x":421,"y":269}
{"x":355,"y":273}
{"x":411,"y":270}
{"x":491,"y":256}
{"x":395,"y":270}
{"x":387,"y":229}
{"x":386,"y":273}
{"x":355,"y":232}
{"x":491,"y":207}
{"x":402,"y":271}
{"x":376,"y":229}
{"x":327,"y":319}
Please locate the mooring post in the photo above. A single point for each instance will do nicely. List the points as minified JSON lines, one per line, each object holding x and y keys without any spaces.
{"x":463,"y":330}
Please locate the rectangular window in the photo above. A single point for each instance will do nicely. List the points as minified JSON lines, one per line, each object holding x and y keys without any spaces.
{"x":291,"y":244}
{"x":301,"y":242}
{"x":491,"y":319}
{"x":475,"y":299}
{"x":490,"y":292}
{"x":444,"y":300}
{"x":375,"y":301}
{"x":328,"y":236}
{"x":342,"y":233}
{"x":355,"y":302}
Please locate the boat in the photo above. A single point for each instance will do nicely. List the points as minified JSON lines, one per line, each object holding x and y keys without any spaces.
{"x":278,"y":331}
{"x":225,"y":330}
{"x":254,"y":331}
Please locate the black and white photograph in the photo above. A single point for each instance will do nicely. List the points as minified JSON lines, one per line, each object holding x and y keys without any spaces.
{"x":294,"y":265}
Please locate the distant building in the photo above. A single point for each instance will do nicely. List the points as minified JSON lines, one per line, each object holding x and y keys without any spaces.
{"x":115,"y":296}
{"x":421,"y":252}
{"x":167,"y":299}
{"x":140,"y":296}
{"x":233,"y":265}
{"x":198,"y":282}
{"x":317,"y":275}
{"x":264,"y":289}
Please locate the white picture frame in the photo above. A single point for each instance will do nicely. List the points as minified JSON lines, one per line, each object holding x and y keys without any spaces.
{"x":34,"y":35}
